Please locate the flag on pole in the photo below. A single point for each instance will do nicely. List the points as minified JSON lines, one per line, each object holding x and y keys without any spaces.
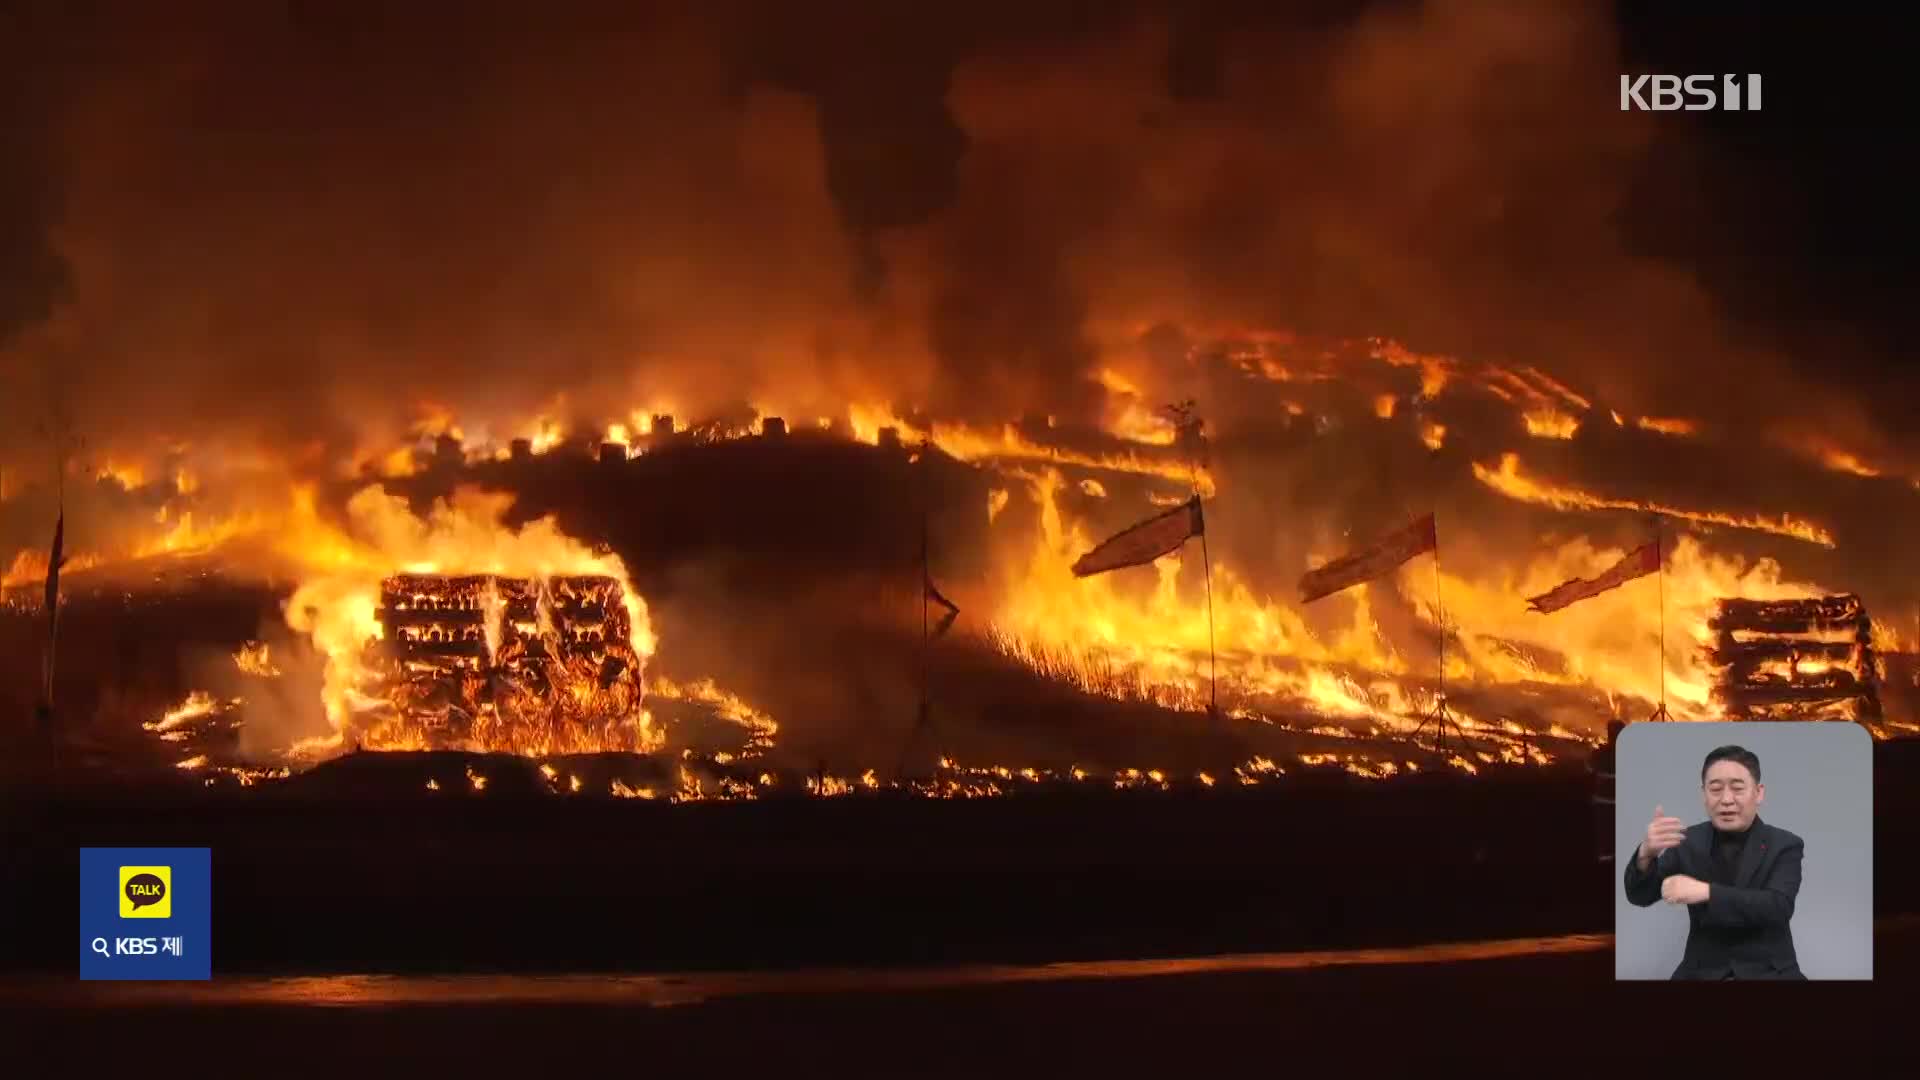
{"x":1637,"y":563}
{"x":1374,"y":561}
{"x":1140,"y":544}
{"x":953,"y":609}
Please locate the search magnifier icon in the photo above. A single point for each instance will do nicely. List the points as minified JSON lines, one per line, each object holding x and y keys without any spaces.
{"x":100,"y":946}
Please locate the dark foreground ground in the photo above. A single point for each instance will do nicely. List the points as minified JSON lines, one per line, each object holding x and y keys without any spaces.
{"x":1006,"y":936}
{"x":332,"y":881}
{"x":1528,"y":1007}
{"x":544,"y":883}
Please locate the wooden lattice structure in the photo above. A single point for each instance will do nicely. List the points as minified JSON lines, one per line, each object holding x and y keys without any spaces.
{"x":507,"y":663}
{"x":1795,"y":659}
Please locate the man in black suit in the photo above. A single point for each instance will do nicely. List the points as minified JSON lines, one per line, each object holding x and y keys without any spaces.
{"x":1736,"y":875}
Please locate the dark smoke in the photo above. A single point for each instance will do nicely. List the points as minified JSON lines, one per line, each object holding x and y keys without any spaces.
{"x":33,"y":276}
{"x":288,"y":227}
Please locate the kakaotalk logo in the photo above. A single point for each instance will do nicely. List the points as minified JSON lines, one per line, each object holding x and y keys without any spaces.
{"x":1694,"y":93}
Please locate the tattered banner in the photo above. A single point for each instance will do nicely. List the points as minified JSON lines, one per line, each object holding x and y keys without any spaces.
{"x":1140,"y":544}
{"x":1376,"y":560}
{"x":1639,"y":562}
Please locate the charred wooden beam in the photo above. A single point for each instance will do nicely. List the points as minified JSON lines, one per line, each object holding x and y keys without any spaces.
{"x":1835,"y":683}
{"x":509,"y":661}
{"x":410,"y":617}
{"x":1833,"y":652}
{"x":1822,"y":614}
{"x":1791,"y":662}
{"x":1801,"y":659}
{"x":1843,"y":709}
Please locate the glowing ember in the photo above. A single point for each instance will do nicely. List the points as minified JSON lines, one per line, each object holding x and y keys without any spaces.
{"x":1666,"y":425}
{"x":254,"y":658}
{"x":1009,"y":445}
{"x":1435,"y":371}
{"x":1550,"y":424}
{"x":29,"y":567}
{"x":761,"y":728}
{"x":198,"y":704}
{"x":1842,"y":461}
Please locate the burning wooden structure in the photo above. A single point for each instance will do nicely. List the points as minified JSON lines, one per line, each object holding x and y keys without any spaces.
{"x":1796,"y":659}
{"x":502,"y":663}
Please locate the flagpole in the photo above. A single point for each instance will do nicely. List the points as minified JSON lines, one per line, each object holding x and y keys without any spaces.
{"x":926,"y":579}
{"x":1660,"y":555}
{"x":926,"y":576}
{"x":1213,"y":663}
{"x":1440,"y":619}
{"x":1206,"y":568}
{"x":1187,"y":429}
{"x":53,"y":606}
{"x":1442,"y":717}
{"x":1659,"y":552}
{"x":56,"y":556}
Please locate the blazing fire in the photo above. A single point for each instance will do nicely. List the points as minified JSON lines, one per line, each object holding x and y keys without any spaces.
{"x":454,"y":629}
{"x":1039,"y":295}
{"x":539,"y":646}
{"x":1149,"y":639}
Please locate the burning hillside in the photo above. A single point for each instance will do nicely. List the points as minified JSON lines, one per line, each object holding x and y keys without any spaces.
{"x":453,"y":627}
{"x":609,"y":362}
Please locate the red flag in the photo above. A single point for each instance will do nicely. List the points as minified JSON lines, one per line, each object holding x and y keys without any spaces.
{"x":1375,"y":561}
{"x":1140,"y":544}
{"x":1639,"y":562}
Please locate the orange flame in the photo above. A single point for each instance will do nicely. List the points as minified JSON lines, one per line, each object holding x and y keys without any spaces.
{"x":1550,"y":424}
{"x":1667,"y":425}
{"x":336,"y":605}
{"x":1508,"y":480}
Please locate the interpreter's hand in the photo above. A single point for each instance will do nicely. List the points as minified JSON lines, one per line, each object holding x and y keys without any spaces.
{"x":1681,"y":889}
{"x":1663,"y":832}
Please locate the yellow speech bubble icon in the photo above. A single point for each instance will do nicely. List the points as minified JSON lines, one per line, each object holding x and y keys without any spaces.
{"x":146,"y":892}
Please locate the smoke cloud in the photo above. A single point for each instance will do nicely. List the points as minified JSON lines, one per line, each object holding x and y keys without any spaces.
{"x":281,"y":233}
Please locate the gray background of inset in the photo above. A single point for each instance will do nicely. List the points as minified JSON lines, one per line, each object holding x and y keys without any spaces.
{"x":1819,"y":781}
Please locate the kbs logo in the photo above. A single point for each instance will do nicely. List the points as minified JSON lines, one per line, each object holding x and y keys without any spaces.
{"x":1694,"y":93}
